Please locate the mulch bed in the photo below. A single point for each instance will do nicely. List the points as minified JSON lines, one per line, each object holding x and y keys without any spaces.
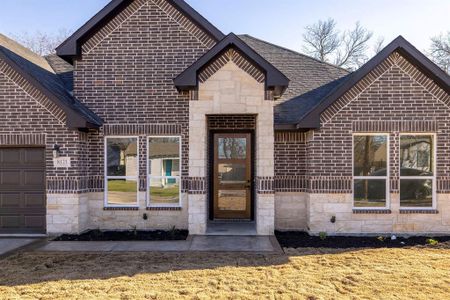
{"x":97,"y":235}
{"x":295,"y":239}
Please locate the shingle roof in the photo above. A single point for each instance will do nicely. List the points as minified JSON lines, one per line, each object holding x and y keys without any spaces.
{"x":305,"y":73}
{"x":293,"y":110}
{"x":63,"y":69}
{"x":38,"y":72}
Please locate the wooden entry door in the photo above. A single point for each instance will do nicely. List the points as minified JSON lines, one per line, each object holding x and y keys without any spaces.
{"x":232,"y":175}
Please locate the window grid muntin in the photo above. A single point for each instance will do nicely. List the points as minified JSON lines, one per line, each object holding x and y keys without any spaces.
{"x":386,"y":177}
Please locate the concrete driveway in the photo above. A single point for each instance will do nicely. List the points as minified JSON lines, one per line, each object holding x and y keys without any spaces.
{"x":9,"y":245}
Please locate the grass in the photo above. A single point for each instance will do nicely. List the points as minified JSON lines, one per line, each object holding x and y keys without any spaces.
{"x":408,"y":273}
{"x":122,"y":186}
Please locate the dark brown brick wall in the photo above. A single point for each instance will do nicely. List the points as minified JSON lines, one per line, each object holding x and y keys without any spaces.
{"x":126,"y":76}
{"x":395,"y":101}
{"x":231,"y":122}
{"x":26,"y":122}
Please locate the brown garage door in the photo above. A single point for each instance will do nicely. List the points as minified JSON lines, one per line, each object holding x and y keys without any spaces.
{"x":22,"y":190}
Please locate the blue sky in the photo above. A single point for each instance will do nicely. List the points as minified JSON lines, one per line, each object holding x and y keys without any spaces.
{"x":278,"y":21}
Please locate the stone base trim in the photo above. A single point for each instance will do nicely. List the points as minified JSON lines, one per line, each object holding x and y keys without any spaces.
{"x":164,"y":208}
{"x":142,"y":129}
{"x":372,"y":211}
{"x":419,"y":211}
{"x":121,"y":208}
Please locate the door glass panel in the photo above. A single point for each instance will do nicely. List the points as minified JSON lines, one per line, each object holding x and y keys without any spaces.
{"x":232,"y":148}
{"x":234,"y":200}
{"x":232,"y":173}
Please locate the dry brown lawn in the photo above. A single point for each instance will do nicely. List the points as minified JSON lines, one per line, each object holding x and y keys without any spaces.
{"x":416,"y":273}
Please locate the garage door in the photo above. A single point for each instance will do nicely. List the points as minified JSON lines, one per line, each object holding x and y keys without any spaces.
{"x":22,"y":190}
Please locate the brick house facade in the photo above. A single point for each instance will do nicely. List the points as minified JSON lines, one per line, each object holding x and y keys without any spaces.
{"x":166,"y":122}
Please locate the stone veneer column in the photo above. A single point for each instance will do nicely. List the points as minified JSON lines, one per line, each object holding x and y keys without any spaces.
{"x":231,"y":91}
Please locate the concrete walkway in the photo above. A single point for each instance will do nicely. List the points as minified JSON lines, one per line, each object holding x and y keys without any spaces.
{"x":9,"y":245}
{"x":193,"y":243}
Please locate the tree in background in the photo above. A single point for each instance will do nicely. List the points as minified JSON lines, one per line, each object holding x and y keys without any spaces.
{"x":42,"y":43}
{"x":347,"y":49}
{"x":440,"y":51}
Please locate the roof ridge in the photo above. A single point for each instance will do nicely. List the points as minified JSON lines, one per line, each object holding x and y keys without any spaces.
{"x":294,"y":52}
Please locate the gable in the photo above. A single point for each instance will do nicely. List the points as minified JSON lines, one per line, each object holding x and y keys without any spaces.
{"x":12,"y":80}
{"x":117,"y":12}
{"x":395,"y":80}
{"x":234,"y":49}
{"x":231,"y":85}
{"x":427,"y":73}
{"x":15,"y":93}
{"x":231,"y":55}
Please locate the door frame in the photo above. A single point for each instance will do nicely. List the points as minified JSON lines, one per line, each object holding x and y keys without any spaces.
{"x":210,"y":168}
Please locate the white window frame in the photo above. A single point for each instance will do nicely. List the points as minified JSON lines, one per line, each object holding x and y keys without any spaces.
{"x":386,"y":178}
{"x":106,"y":204}
{"x":149,"y":176}
{"x":432,"y":178}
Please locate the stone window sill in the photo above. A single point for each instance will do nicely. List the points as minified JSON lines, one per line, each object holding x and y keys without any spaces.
{"x":162,"y":208}
{"x":419,"y":211}
{"x":121,"y":208}
{"x":372,"y":211}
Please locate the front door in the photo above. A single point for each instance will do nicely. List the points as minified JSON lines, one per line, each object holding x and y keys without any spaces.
{"x":232,"y":175}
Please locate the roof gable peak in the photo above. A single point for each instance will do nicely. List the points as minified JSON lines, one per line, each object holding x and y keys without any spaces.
{"x":312,"y":118}
{"x":274,"y":79}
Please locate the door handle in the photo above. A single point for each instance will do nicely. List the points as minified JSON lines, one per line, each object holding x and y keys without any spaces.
{"x":248,"y":184}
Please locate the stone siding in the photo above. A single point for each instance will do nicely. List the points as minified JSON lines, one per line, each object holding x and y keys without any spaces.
{"x":322,"y":207}
{"x":231,"y":91}
{"x":290,"y":211}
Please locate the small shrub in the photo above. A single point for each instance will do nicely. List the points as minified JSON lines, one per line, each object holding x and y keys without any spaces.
{"x":432,"y":242}
{"x":322,"y":235}
{"x":381,"y":238}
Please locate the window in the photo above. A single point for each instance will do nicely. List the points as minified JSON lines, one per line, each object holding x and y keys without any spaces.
{"x":370,"y":170}
{"x":121,"y":169}
{"x":417,"y":175}
{"x":164,"y":171}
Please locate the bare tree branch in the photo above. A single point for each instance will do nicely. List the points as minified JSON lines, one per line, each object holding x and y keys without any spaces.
{"x":355,"y":42}
{"x":322,"y":39}
{"x":379,"y":45}
{"x":348,"y":50}
{"x":440,"y":51}
{"x":42,"y":43}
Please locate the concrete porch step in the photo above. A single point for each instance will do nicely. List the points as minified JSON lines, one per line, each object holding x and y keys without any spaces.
{"x":231,"y":228}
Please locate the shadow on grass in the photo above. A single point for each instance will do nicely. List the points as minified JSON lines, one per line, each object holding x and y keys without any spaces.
{"x":41,"y":267}
{"x":38,"y":267}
